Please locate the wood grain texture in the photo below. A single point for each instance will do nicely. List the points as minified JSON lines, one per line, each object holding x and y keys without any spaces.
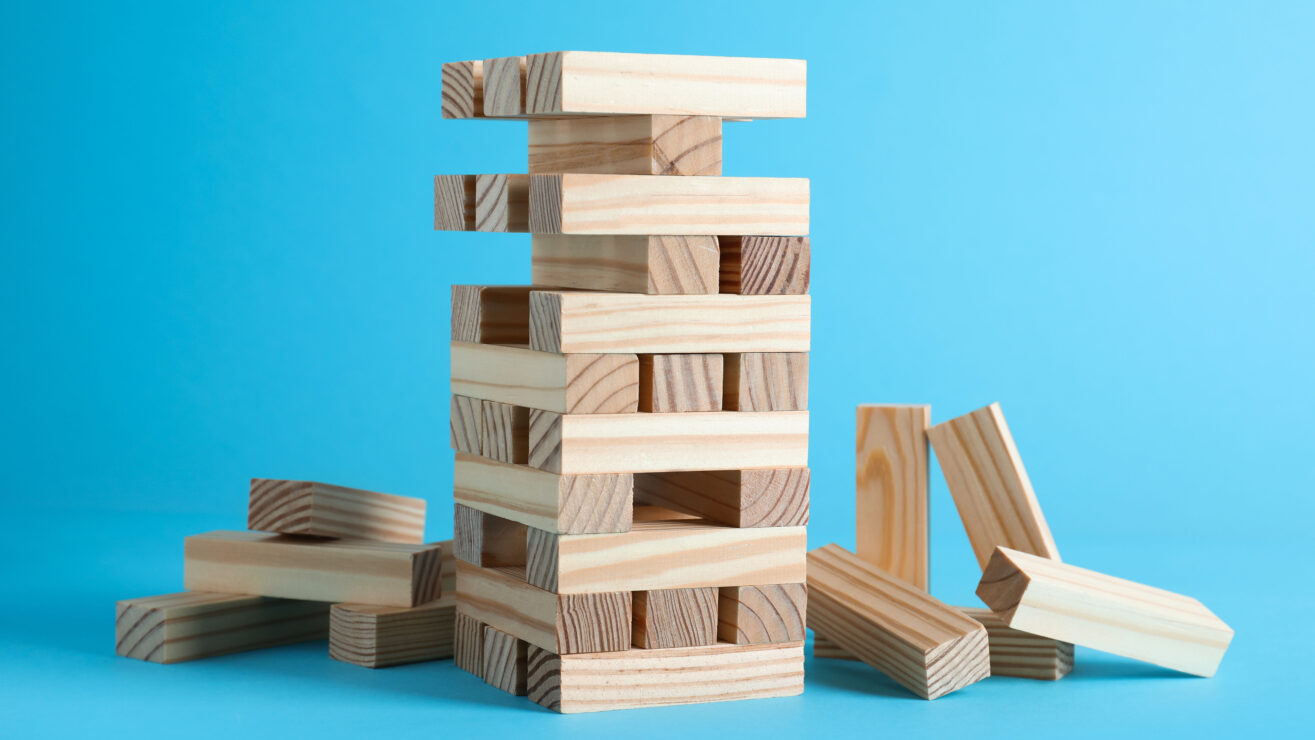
{"x":766,"y":381}
{"x":642,"y":443}
{"x":486,"y":540}
{"x":382,"y":636}
{"x":764,"y":265}
{"x":504,"y":86}
{"x":466,"y":424}
{"x":653,"y":265}
{"x":924,"y":645}
{"x":324,"y":510}
{"x":572,"y":384}
{"x":890,"y":477}
{"x":589,"y":82}
{"x":502,"y":203}
{"x":758,"y":497}
{"x":191,"y":625}
{"x":568,"y":504}
{"x":1020,"y":654}
{"x":454,"y":202}
{"x":286,"y":566}
{"x":463,"y":89}
{"x":504,"y":661}
{"x":468,"y":644}
{"x":506,"y":432}
{"x":685,"y":382}
{"x":1045,"y":597}
{"x":990,"y":487}
{"x":626,"y":145}
{"x":678,"y":617}
{"x":579,"y":203}
{"x":622,"y":322}
{"x":755,"y":615}
{"x":491,"y":314}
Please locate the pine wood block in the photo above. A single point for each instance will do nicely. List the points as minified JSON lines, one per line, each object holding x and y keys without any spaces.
{"x":755,"y":615}
{"x":504,"y":86}
{"x":678,"y":617}
{"x":644,"y":513}
{"x":624,"y":322}
{"x":764,"y":265}
{"x":504,"y":661}
{"x":824,"y":648}
{"x":187,"y":626}
{"x":687,"y":382}
{"x":1063,"y":602}
{"x":491,"y":314}
{"x":463,"y":89}
{"x":568,"y":504}
{"x":891,"y":484}
{"x":382,"y":636}
{"x":323,"y":510}
{"x":579,"y":203}
{"x":665,"y":554}
{"x":572,"y":384}
{"x":653,"y":265}
{"x":1020,"y":654}
{"x":502,"y":203}
{"x":627,"y":145}
{"x":466,"y":420}
{"x":506,"y":432}
{"x":757,"y":497}
{"x":644,"y":443}
{"x":922,"y":644}
{"x":632,"y":679}
{"x":454,"y":202}
{"x":468,"y":644}
{"x":766,"y":381}
{"x":590,"y":82}
{"x":562,"y":623}
{"x":486,"y":540}
{"x":286,"y":566}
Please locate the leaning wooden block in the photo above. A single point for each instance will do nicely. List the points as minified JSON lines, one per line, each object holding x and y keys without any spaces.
{"x":766,"y":381}
{"x":1020,"y":654}
{"x":504,"y":87}
{"x":191,"y":625}
{"x":506,"y":432}
{"x":323,"y":510}
{"x":502,"y":203}
{"x":343,"y":570}
{"x":654,"y":265}
{"x":924,"y":645}
{"x":491,"y":314}
{"x":486,"y":540}
{"x":466,"y":422}
{"x":764,"y":265}
{"x":685,"y":382}
{"x":463,"y":89}
{"x":758,"y":497}
{"x":1048,"y":598}
{"x":571,"y":384}
{"x":468,"y":644}
{"x":504,"y":661}
{"x":754,"y":615}
{"x":891,"y":484}
{"x":382,"y":636}
{"x":569,"y":504}
{"x":627,"y":145}
{"x":823,"y":647}
{"x":678,"y":617}
{"x":454,"y":202}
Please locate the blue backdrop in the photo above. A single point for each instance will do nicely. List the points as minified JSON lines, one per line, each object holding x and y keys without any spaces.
{"x":218,"y":263}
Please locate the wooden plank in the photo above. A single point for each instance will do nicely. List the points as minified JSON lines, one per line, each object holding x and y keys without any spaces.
{"x":823,"y":647}
{"x":922,"y":644}
{"x":643,"y":443}
{"x":678,"y":617}
{"x":324,"y":510}
{"x":568,"y":504}
{"x":486,"y":540}
{"x":754,"y":615}
{"x":187,"y":626}
{"x":764,"y":265}
{"x":502,"y":203}
{"x":589,"y":82}
{"x":382,"y":636}
{"x":491,"y":314}
{"x":506,"y":432}
{"x":990,"y":487}
{"x":342,"y":570}
{"x":454,"y":202}
{"x":623,"y":322}
{"x":766,"y":381}
{"x":579,"y":203}
{"x":572,"y":384}
{"x":466,"y":422}
{"x":468,"y":644}
{"x":654,"y":265}
{"x":1020,"y":654}
{"x":627,"y":145}
{"x":463,"y":89}
{"x":504,"y":661}
{"x":504,"y":87}
{"x":891,"y":484}
{"x":676,"y":383}
{"x":633,"y":679}
{"x":757,"y":497}
{"x":1063,"y":602}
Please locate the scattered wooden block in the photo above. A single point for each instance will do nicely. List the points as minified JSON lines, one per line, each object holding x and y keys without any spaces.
{"x":506,"y":433}
{"x":687,"y":382}
{"x":891,"y":481}
{"x":764,"y":265}
{"x":754,"y":615}
{"x":1045,"y":597}
{"x":766,"y":381}
{"x":922,"y":644}
{"x":504,"y":86}
{"x":758,"y":497}
{"x":654,"y":265}
{"x":627,"y":145}
{"x":502,"y":203}
{"x":454,"y":202}
{"x":191,"y":625}
{"x":569,"y":504}
{"x":486,"y":540}
{"x":504,"y":661}
{"x":572,"y":384}
{"x":1020,"y":654}
{"x":323,"y":510}
{"x":678,"y":617}
{"x":825,"y":648}
{"x":382,"y":636}
{"x":463,"y":89}
{"x":466,"y":419}
{"x":468,"y":644}
{"x":577,"y":203}
{"x":491,"y":314}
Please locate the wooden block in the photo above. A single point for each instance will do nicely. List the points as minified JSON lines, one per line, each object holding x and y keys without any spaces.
{"x":766,"y":381}
{"x":562,"y":623}
{"x":502,"y":203}
{"x":891,"y":484}
{"x":468,"y":644}
{"x":632,"y":679}
{"x":491,"y":314}
{"x":466,"y":419}
{"x":577,"y":203}
{"x":568,"y":504}
{"x":824,"y":648}
{"x":665,"y":554}
{"x":191,"y":625}
{"x":627,"y":145}
{"x":1063,"y":602}
{"x":590,"y":82}
{"x":463,"y":89}
{"x":754,"y":615}
{"x":764,"y":265}
{"x":624,"y":322}
{"x":454,"y":202}
{"x":644,"y":513}
{"x":323,"y":510}
{"x":671,"y":383}
{"x":572,"y":384}
{"x":678,"y":617}
{"x":654,"y":265}
{"x":504,"y":86}
{"x":644,"y":443}
{"x":286,"y":566}
{"x":382,"y":636}
{"x":758,"y":497}
{"x":506,"y":433}
{"x":1020,"y":654}
{"x":504,"y":661}
{"x":989,"y":485}
{"x":924,"y":645}
{"x":486,"y":540}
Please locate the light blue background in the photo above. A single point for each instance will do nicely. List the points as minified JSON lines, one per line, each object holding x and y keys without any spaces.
{"x":218,"y":263}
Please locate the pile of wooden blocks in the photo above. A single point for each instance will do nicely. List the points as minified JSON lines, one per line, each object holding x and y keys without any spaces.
{"x":317,"y":561}
{"x":631,"y":431}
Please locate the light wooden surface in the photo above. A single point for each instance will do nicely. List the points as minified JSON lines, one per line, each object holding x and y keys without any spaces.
{"x":463,"y":89}
{"x":1048,"y":598}
{"x":504,"y":87}
{"x":506,"y":432}
{"x":572,"y":384}
{"x":454,"y":202}
{"x":504,"y":661}
{"x":677,"y":617}
{"x":627,"y":145}
{"x":642,"y":443}
{"x":491,"y":314}
{"x":764,"y":265}
{"x":486,"y":540}
{"x":568,"y":504}
{"x":466,"y":424}
{"x":766,"y":381}
{"x":754,"y":615}
{"x":924,"y":645}
{"x":990,"y":487}
{"x":382,"y":636}
{"x":632,"y":679}
{"x":324,"y":510}
{"x":591,"y":82}
{"x":342,"y":570}
{"x":187,"y":626}
{"x":654,"y":265}
{"x":1020,"y":654}
{"x":757,"y":497}
{"x":468,"y":644}
{"x":685,"y":382}
{"x":623,"y":322}
{"x":502,"y":203}
{"x":890,"y":473}
{"x":579,"y":203}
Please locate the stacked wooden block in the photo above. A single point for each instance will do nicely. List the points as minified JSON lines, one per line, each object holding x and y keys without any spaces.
{"x":631,"y":431}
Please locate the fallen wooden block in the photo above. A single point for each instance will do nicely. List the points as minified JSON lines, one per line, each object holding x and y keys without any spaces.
{"x":764,"y":265}
{"x":191,"y":625}
{"x":571,"y":384}
{"x":1020,"y":654}
{"x":891,"y":484}
{"x":454,"y":203}
{"x":502,"y":203}
{"x":504,"y":87}
{"x":678,"y":617}
{"x":755,"y":615}
{"x":627,"y":145}
{"x":758,"y":497}
{"x":323,"y":510}
{"x":929,"y":648}
{"x":569,"y":504}
{"x":766,"y":381}
{"x":486,"y":540}
{"x":667,"y":265}
{"x":506,"y":432}
{"x":491,"y":314}
{"x":466,"y":424}
{"x":504,"y":661}
{"x":468,"y":644}
{"x":382,"y":636}
{"x":684,"y":382}
{"x":1063,"y":602}
{"x":463,"y":89}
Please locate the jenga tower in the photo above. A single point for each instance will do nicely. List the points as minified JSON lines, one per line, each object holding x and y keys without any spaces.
{"x":631,"y":431}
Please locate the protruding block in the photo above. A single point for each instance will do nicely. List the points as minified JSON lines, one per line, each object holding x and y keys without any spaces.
{"x":891,"y":484}
{"x":502,"y":203}
{"x":685,"y":382}
{"x":1020,"y":654}
{"x":463,"y":89}
{"x":568,"y":504}
{"x":382,"y":636}
{"x":758,"y":497}
{"x":323,"y":510}
{"x":504,"y":661}
{"x":506,"y":433}
{"x":486,"y":540}
{"x":764,"y":265}
{"x":498,"y":314}
{"x":654,"y":265}
{"x":627,"y":145}
{"x":192,"y":625}
{"x":670,"y":618}
{"x":468,"y":644}
{"x":572,"y":384}
{"x":766,"y":381}
{"x":504,"y":86}
{"x":466,"y":420}
{"x":454,"y":202}
{"x":754,"y":615}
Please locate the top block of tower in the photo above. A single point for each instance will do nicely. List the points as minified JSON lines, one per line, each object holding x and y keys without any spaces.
{"x":588,"y":83}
